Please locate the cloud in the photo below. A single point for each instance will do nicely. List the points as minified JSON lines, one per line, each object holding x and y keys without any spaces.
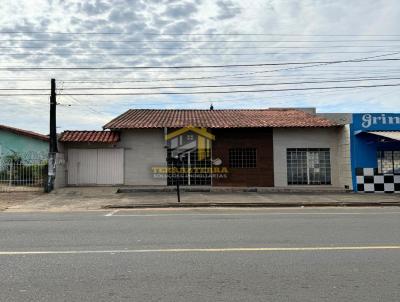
{"x":122,"y":16}
{"x":227,"y":9}
{"x":144,"y":23}
{"x":182,"y":26}
{"x":94,"y":7}
{"x":180,"y":9}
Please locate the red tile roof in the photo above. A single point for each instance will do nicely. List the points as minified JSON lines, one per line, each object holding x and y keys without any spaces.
{"x":107,"y":137}
{"x":232,"y":118}
{"x":23,"y":132}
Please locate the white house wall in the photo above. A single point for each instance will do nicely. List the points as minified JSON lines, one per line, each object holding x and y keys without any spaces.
{"x":332,"y":138}
{"x":144,"y":149}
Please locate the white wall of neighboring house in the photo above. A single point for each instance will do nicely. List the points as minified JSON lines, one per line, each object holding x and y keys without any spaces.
{"x":332,"y":138}
{"x":144,"y":149}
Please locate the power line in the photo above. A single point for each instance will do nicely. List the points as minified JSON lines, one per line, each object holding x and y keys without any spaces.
{"x":199,"y":48}
{"x":286,"y":69}
{"x":259,"y":78}
{"x":199,"y":41}
{"x":326,"y":73}
{"x":198,"y":66}
{"x":328,"y":93}
{"x":198,"y":34}
{"x":211,"y":92}
{"x":219,"y":100}
{"x":311,"y":74}
{"x":325,"y":93}
{"x":205,"y":86}
{"x":220,"y":86}
{"x":336,"y":70}
{"x":184,"y":54}
{"x":364,"y":59}
{"x":239,"y":91}
{"x":339,"y":80}
{"x":85,"y":105}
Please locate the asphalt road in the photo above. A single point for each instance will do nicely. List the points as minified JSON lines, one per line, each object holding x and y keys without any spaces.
{"x":327,"y":254}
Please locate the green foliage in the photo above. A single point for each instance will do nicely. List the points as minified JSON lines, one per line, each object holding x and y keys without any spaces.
{"x":16,"y":171}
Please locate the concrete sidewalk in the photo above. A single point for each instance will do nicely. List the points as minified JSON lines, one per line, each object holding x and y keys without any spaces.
{"x":81,"y":199}
{"x":11,"y":199}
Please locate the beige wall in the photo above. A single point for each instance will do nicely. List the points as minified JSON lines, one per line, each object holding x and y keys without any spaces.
{"x":144,"y":148}
{"x":332,"y":138}
{"x":61,"y":168}
{"x":344,"y":157}
{"x":60,"y":179}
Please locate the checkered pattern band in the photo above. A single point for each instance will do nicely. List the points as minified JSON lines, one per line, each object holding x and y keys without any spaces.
{"x":370,"y":181}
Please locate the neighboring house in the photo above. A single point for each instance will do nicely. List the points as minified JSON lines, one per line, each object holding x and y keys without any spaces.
{"x":282,"y":148}
{"x":22,"y":142}
{"x":375,"y":152}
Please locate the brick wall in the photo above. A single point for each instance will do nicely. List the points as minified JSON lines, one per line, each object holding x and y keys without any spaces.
{"x":261,"y":140}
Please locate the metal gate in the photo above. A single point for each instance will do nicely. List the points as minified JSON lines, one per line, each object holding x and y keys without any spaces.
{"x":95,"y":167}
{"x":23,"y":172}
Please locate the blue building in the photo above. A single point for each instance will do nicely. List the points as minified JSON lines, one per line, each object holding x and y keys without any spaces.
{"x":375,"y":152}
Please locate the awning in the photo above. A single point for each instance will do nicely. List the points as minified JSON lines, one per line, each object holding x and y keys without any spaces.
{"x":389,"y":134}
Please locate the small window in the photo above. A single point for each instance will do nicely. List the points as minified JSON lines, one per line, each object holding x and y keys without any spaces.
{"x":242,"y":158}
{"x":308,"y":166}
{"x":388,"y":162}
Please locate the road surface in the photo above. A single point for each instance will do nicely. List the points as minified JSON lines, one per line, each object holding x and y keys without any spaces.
{"x":326,"y":254}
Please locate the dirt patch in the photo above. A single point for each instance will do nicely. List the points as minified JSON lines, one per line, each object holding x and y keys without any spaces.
{"x":10,"y":199}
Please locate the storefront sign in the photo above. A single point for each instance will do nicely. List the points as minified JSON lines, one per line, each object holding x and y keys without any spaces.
{"x":376,"y":121}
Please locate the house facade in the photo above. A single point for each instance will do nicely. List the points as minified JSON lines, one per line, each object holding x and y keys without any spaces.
{"x":22,"y":142}
{"x":267,"y":148}
{"x":375,"y":152}
{"x":23,"y":159}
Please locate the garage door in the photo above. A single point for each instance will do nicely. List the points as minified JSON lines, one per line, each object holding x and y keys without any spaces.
{"x":95,"y":166}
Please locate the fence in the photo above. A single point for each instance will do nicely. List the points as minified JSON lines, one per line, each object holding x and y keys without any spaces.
{"x":23,"y":172}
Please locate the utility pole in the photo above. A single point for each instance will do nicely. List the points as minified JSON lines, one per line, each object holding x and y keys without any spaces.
{"x":175,"y":160}
{"x":178,"y":164}
{"x":53,"y":138}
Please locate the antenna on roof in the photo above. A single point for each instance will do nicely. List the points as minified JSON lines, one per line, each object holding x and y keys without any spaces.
{"x":211,"y":107}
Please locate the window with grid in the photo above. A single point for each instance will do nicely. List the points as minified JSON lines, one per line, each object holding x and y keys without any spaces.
{"x":242,"y":158}
{"x":389,"y":162}
{"x":308,"y":166}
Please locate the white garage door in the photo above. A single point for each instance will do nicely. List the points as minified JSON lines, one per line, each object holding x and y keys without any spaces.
{"x":95,"y":166}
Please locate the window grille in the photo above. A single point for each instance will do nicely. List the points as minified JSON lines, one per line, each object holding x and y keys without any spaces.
{"x":388,"y":162}
{"x":242,"y":158}
{"x":308,"y":166}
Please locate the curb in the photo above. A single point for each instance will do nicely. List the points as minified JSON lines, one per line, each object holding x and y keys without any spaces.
{"x":254,"y":205}
{"x":231,"y":190}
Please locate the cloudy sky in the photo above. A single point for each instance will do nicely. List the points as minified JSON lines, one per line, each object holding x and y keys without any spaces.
{"x":356,"y":43}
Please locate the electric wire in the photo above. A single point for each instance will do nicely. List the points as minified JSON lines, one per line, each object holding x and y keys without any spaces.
{"x":201,"y":66}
